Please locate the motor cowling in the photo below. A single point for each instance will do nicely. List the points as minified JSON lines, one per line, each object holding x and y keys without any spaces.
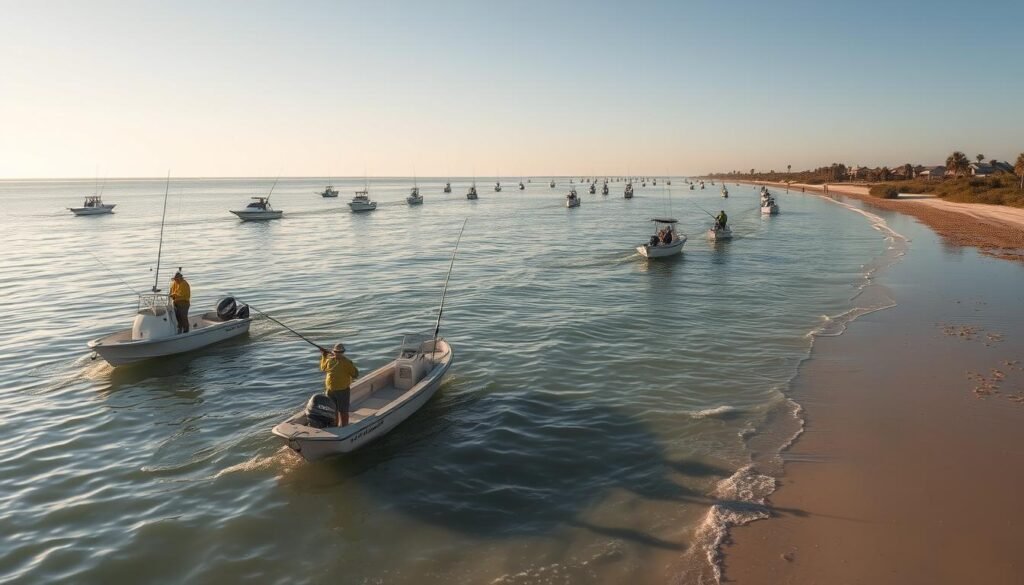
{"x":242,"y":312}
{"x":321,"y":411}
{"x":226,"y":308}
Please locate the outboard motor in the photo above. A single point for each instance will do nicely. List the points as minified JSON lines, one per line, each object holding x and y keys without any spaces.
{"x":320,"y":411}
{"x":242,"y":312}
{"x":226,"y":308}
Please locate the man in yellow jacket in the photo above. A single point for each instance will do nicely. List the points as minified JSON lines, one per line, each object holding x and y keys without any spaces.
{"x":181,"y":295}
{"x":337,"y":384}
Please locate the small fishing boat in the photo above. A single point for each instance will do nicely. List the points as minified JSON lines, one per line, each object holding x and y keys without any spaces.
{"x":572,"y":200}
{"x":725,"y":192}
{"x":719,"y":233}
{"x":769,"y":207}
{"x":361,"y":202}
{"x":691,"y":186}
{"x":668,"y":182}
{"x":448,"y":187}
{"x":414,"y":197}
{"x":329,"y":191}
{"x":379,"y":401}
{"x":628,"y":193}
{"x":258,"y":210}
{"x":93,"y":205}
{"x":471,"y":194}
{"x":654,"y":182}
{"x":593,"y":188}
{"x":604,"y":188}
{"x":552,"y":184}
{"x":521,"y":185}
{"x":154,"y":333}
{"x":657,"y":247}
{"x":497,"y":187}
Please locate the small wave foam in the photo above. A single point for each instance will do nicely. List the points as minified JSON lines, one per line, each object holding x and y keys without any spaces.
{"x":282,"y":461}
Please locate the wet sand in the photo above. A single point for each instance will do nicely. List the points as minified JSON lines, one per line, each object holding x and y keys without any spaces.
{"x":996,"y":230}
{"x":911,"y":466}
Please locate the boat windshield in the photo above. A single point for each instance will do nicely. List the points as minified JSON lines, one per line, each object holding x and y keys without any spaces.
{"x":413,"y":343}
{"x":153,"y":302}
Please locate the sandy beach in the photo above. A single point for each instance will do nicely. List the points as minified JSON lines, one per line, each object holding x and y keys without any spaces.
{"x":909,"y":470}
{"x":996,"y":230}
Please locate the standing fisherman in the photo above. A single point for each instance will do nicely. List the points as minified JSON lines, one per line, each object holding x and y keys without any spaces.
{"x":181,"y":294}
{"x":340,"y":373}
{"x":721,"y":220}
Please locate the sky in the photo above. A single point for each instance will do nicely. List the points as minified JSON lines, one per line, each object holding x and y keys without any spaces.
{"x":460,"y":88}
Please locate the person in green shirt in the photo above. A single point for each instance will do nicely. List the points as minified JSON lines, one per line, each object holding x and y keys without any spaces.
{"x":721,"y":220}
{"x":337,"y":383}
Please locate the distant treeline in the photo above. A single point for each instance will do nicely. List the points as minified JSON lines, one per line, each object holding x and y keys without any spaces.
{"x":834,"y":173}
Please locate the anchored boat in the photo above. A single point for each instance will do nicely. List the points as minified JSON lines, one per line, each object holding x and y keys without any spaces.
{"x":93,"y":205}
{"x":572,"y":200}
{"x":414,"y":197}
{"x":259,"y":209}
{"x":471,"y":194}
{"x":666,"y":241}
{"x":628,"y":193}
{"x":329,"y":191}
{"x":719,"y":233}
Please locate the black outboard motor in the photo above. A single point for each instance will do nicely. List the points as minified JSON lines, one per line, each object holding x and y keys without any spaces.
{"x":321,"y":411}
{"x":226,"y":308}
{"x":242,"y":312}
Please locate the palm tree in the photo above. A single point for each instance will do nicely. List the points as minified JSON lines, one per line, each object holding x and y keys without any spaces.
{"x":979,"y":157}
{"x":789,"y":169}
{"x":1019,"y":169}
{"x":958,"y":164}
{"x":908,"y":171}
{"x":751,"y":171}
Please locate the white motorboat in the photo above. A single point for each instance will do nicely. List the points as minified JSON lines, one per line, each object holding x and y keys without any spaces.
{"x":379,"y":401}
{"x":628,"y":193}
{"x":329,"y":191}
{"x":361,"y":202}
{"x":93,"y":205}
{"x":691,"y":186}
{"x":154,"y":332}
{"x":657,"y":247}
{"x":770,"y":207}
{"x":593,"y":188}
{"x":258,"y":210}
{"x":572,"y":200}
{"x":414,"y":197}
{"x":471,"y":194}
{"x":522,"y":187}
{"x":497,"y":187}
{"x":448,"y":187}
{"x":552,"y":184}
{"x":719,"y":234}
{"x":725,"y":192}
{"x":604,"y":188}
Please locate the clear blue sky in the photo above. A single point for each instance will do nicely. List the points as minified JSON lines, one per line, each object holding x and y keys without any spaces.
{"x":438,"y":88}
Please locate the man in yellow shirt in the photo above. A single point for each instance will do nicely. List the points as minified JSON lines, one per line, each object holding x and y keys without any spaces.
{"x":181,"y":295}
{"x":340,"y":373}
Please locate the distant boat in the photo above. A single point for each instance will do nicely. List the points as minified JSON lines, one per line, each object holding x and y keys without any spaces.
{"x":414,"y":197}
{"x":471,"y":194}
{"x":552,"y":184}
{"x":655,"y":183}
{"x":93,"y":205}
{"x":628,"y":193}
{"x":361,"y":202}
{"x":719,"y":234}
{"x":572,"y":200}
{"x":604,"y":188}
{"x":521,"y":185}
{"x":448,"y":187}
{"x":259,"y":209}
{"x":668,"y":181}
{"x":593,"y":188}
{"x":657,"y":247}
{"x":497,"y":187}
{"x":329,"y":191}
{"x":725,"y":192}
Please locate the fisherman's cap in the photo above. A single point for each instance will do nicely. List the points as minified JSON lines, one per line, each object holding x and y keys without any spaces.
{"x":339,"y":348}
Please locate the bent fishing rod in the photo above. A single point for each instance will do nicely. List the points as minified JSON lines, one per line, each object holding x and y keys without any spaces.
{"x":444,"y":292}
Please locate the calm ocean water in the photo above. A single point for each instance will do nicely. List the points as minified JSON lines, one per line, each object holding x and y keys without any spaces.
{"x":600,"y":421}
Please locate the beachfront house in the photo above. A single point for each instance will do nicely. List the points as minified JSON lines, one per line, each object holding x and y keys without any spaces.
{"x":859,"y":173}
{"x":933,"y":172}
{"x":1002,"y":166}
{"x":981,"y":169}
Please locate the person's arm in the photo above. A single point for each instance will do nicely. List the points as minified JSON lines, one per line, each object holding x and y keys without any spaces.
{"x":325,"y":363}
{"x":354,"y":371}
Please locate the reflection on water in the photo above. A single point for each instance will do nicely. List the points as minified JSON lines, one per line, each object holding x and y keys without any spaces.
{"x":597,"y":403}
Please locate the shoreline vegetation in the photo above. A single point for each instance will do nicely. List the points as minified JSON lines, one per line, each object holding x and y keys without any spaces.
{"x":994,"y":182}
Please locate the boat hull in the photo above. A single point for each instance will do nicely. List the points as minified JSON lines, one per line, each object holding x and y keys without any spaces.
{"x":661,"y":251}
{"x":119,"y":349}
{"x":314,"y":444}
{"x":770,"y":210}
{"x":720,"y":235}
{"x":414,"y":200}
{"x":362,"y":207}
{"x":101,"y":210}
{"x":258,"y":215}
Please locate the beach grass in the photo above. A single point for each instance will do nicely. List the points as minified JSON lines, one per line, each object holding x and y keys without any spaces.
{"x":995,"y":190}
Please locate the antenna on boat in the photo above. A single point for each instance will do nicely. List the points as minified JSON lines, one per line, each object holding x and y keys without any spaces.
{"x":272,"y":188}
{"x":444,"y":293}
{"x":160,"y":248}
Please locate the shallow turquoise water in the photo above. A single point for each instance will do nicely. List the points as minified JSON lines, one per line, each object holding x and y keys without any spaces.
{"x":600,"y":404}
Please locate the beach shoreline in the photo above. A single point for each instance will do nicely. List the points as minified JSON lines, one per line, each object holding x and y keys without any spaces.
{"x":905,"y":471}
{"x":996,"y":230}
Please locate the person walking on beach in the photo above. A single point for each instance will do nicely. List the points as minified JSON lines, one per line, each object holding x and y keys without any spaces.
{"x":181,"y":296}
{"x":337,"y":383}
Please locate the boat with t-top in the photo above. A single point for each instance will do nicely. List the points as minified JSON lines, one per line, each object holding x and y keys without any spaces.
{"x":666,"y":241}
{"x":93,"y":205}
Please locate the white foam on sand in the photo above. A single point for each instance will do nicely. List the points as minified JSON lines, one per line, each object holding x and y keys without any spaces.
{"x":715,"y":412}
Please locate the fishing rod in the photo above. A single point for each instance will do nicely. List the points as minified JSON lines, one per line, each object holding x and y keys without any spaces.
{"x":160,"y":248}
{"x":444,"y":293}
{"x":705,"y":211}
{"x":296,"y":333}
{"x":112,"y":273}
